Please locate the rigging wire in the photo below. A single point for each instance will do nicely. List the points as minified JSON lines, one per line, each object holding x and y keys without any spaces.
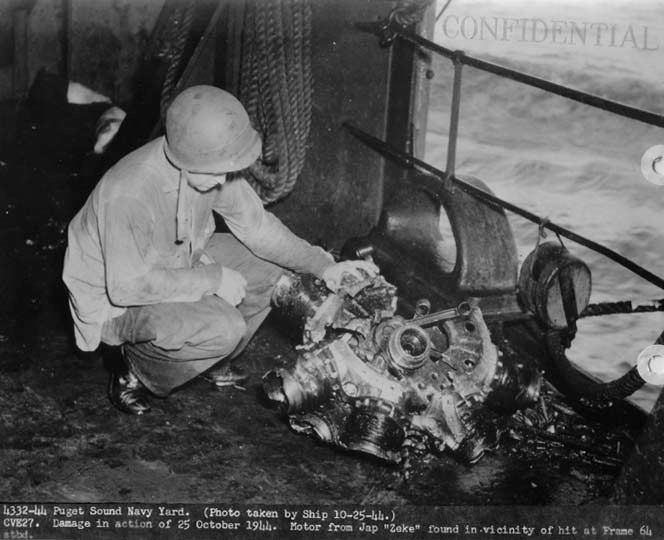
{"x":440,"y":13}
{"x":460,"y":58}
{"x":411,"y":161}
{"x":623,"y":306}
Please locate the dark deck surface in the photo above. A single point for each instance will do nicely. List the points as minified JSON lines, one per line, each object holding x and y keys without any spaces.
{"x":60,"y":439}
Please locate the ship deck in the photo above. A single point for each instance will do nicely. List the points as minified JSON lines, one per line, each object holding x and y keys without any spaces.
{"x":63,"y":441}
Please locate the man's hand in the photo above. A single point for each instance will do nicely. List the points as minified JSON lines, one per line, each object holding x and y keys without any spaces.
{"x":233,"y":286}
{"x":348,"y":272}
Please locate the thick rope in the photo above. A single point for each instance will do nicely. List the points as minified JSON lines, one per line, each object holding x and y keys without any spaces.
{"x":176,"y":40}
{"x":276,"y":89}
{"x":580,"y":387}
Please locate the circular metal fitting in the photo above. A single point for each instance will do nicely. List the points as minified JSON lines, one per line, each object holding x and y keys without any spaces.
{"x":422,"y":307}
{"x":409,"y":347}
{"x":465,"y":310}
{"x":547,"y":271}
{"x":350,"y":389}
{"x":650,"y":364}
{"x":652,"y":165}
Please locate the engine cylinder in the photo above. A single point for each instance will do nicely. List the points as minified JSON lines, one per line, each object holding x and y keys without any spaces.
{"x":297,"y":299}
{"x":310,"y":383}
{"x":372,"y":428}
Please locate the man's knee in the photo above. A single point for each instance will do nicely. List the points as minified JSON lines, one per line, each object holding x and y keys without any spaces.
{"x":227,"y":332}
{"x":233,"y":324}
{"x":203,"y":329}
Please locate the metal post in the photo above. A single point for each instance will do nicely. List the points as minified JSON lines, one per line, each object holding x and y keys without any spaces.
{"x":454,"y":117}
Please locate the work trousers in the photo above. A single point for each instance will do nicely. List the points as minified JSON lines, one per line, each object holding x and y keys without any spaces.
{"x":168,"y":344}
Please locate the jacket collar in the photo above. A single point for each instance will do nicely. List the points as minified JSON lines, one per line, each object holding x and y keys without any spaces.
{"x":171,"y":174}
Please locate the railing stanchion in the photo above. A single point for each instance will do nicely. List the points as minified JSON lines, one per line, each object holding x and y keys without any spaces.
{"x":454,"y":117}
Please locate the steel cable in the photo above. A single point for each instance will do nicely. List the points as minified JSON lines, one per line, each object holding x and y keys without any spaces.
{"x":625,"y":306}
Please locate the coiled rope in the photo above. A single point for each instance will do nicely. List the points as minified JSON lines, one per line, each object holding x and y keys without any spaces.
{"x":276,"y":88}
{"x":173,"y":42}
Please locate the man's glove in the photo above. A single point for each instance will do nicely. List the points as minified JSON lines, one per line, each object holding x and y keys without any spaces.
{"x":233,"y":286}
{"x":347,"y":273}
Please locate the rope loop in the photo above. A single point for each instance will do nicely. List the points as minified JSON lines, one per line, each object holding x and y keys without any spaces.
{"x":276,"y":88}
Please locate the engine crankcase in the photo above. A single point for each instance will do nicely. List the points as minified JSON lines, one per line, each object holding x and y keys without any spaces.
{"x":368,"y":380}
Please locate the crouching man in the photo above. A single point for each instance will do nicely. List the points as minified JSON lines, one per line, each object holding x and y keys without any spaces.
{"x":146,"y":271}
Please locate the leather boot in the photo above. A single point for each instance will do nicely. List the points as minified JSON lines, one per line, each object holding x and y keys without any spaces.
{"x":125,"y":391}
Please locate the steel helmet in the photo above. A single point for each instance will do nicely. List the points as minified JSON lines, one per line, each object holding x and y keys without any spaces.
{"x":208,"y":131}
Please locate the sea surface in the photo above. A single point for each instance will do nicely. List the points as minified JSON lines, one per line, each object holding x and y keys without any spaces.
{"x":574,"y":164}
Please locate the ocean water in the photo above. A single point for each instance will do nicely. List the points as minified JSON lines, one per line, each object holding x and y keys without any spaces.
{"x":574,"y":164}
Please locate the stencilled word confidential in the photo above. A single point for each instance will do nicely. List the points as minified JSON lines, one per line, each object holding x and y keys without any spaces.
{"x":555,"y":31}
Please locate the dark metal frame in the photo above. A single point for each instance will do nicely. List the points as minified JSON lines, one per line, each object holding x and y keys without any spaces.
{"x":460,"y":59}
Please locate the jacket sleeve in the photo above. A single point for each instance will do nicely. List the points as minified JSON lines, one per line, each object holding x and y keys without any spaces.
{"x":131,"y":278}
{"x":264,"y":234}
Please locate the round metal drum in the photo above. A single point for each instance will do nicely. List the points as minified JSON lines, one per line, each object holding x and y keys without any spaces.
{"x":554,"y":285}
